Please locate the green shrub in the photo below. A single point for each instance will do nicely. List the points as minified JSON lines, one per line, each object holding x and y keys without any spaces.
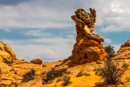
{"x":110,"y":50}
{"x":81,"y":73}
{"x":66,"y":79}
{"x":53,"y":73}
{"x":28,"y":76}
{"x":125,"y":65}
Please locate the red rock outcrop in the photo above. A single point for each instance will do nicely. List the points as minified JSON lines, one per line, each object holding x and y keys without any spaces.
{"x":88,"y":45}
{"x":6,"y":52}
{"x":124,"y":51}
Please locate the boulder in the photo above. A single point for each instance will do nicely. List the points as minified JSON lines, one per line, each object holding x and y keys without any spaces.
{"x":88,"y":47}
{"x":10,"y":51}
{"x":36,"y":61}
{"x":6,"y":52}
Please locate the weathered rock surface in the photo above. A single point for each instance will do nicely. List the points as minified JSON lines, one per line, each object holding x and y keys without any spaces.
{"x":88,"y":45}
{"x":36,"y":61}
{"x":124,"y":51}
{"x":6,"y":52}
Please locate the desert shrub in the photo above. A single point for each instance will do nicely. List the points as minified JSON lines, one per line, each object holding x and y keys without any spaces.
{"x":127,"y":79}
{"x":111,"y":73}
{"x":66,"y":79}
{"x":98,"y":71}
{"x":110,"y":50}
{"x":59,"y":79}
{"x":28,"y":76}
{"x":125,"y":65}
{"x":49,"y":82}
{"x":0,"y":48}
{"x":44,"y":65}
{"x":44,"y":72}
{"x":127,"y":84}
{"x":16,"y":85}
{"x":8,"y":62}
{"x":53,"y":73}
{"x":81,"y":73}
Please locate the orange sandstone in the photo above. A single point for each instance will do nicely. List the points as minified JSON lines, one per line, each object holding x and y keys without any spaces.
{"x":88,"y":45}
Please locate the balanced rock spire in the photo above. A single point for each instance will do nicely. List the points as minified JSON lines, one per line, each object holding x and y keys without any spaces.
{"x":88,"y":45}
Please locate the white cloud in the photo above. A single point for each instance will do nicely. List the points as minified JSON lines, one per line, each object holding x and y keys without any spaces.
{"x":111,"y":28}
{"x":27,"y":15}
{"x":107,"y":40}
{"x":38,"y":32}
{"x":56,"y":14}
{"x":48,"y":49}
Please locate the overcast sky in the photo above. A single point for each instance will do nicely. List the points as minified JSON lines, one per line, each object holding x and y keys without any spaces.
{"x":43,"y":28}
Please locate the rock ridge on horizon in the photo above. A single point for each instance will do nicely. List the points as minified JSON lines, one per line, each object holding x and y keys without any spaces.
{"x":124,"y":51}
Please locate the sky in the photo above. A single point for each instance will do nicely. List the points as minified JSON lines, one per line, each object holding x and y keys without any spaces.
{"x":44,"y":28}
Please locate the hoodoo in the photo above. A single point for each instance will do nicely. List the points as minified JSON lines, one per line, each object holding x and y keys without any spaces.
{"x":88,"y":45}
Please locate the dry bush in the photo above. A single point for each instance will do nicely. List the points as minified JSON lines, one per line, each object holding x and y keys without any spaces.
{"x":53,"y":73}
{"x":125,"y":65}
{"x":111,"y":73}
{"x":81,"y":73}
{"x":28,"y":76}
{"x":66,"y":79}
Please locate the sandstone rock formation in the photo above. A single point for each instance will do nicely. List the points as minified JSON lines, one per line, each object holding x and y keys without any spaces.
{"x":124,"y":51}
{"x":88,"y":45}
{"x":6,"y":52}
{"x":36,"y":61}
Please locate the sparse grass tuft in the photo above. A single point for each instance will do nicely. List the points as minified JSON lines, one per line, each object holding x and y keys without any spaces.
{"x":28,"y":76}
{"x":127,"y":79}
{"x":125,"y":65}
{"x":44,"y":72}
{"x":59,"y":79}
{"x":81,"y":73}
{"x":53,"y":73}
{"x":98,"y":71}
{"x":66,"y":79}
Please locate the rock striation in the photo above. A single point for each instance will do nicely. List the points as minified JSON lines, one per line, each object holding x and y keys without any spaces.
{"x":124,"y":51}
{"x":88,"y":45}
{"x":6,"y":52}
